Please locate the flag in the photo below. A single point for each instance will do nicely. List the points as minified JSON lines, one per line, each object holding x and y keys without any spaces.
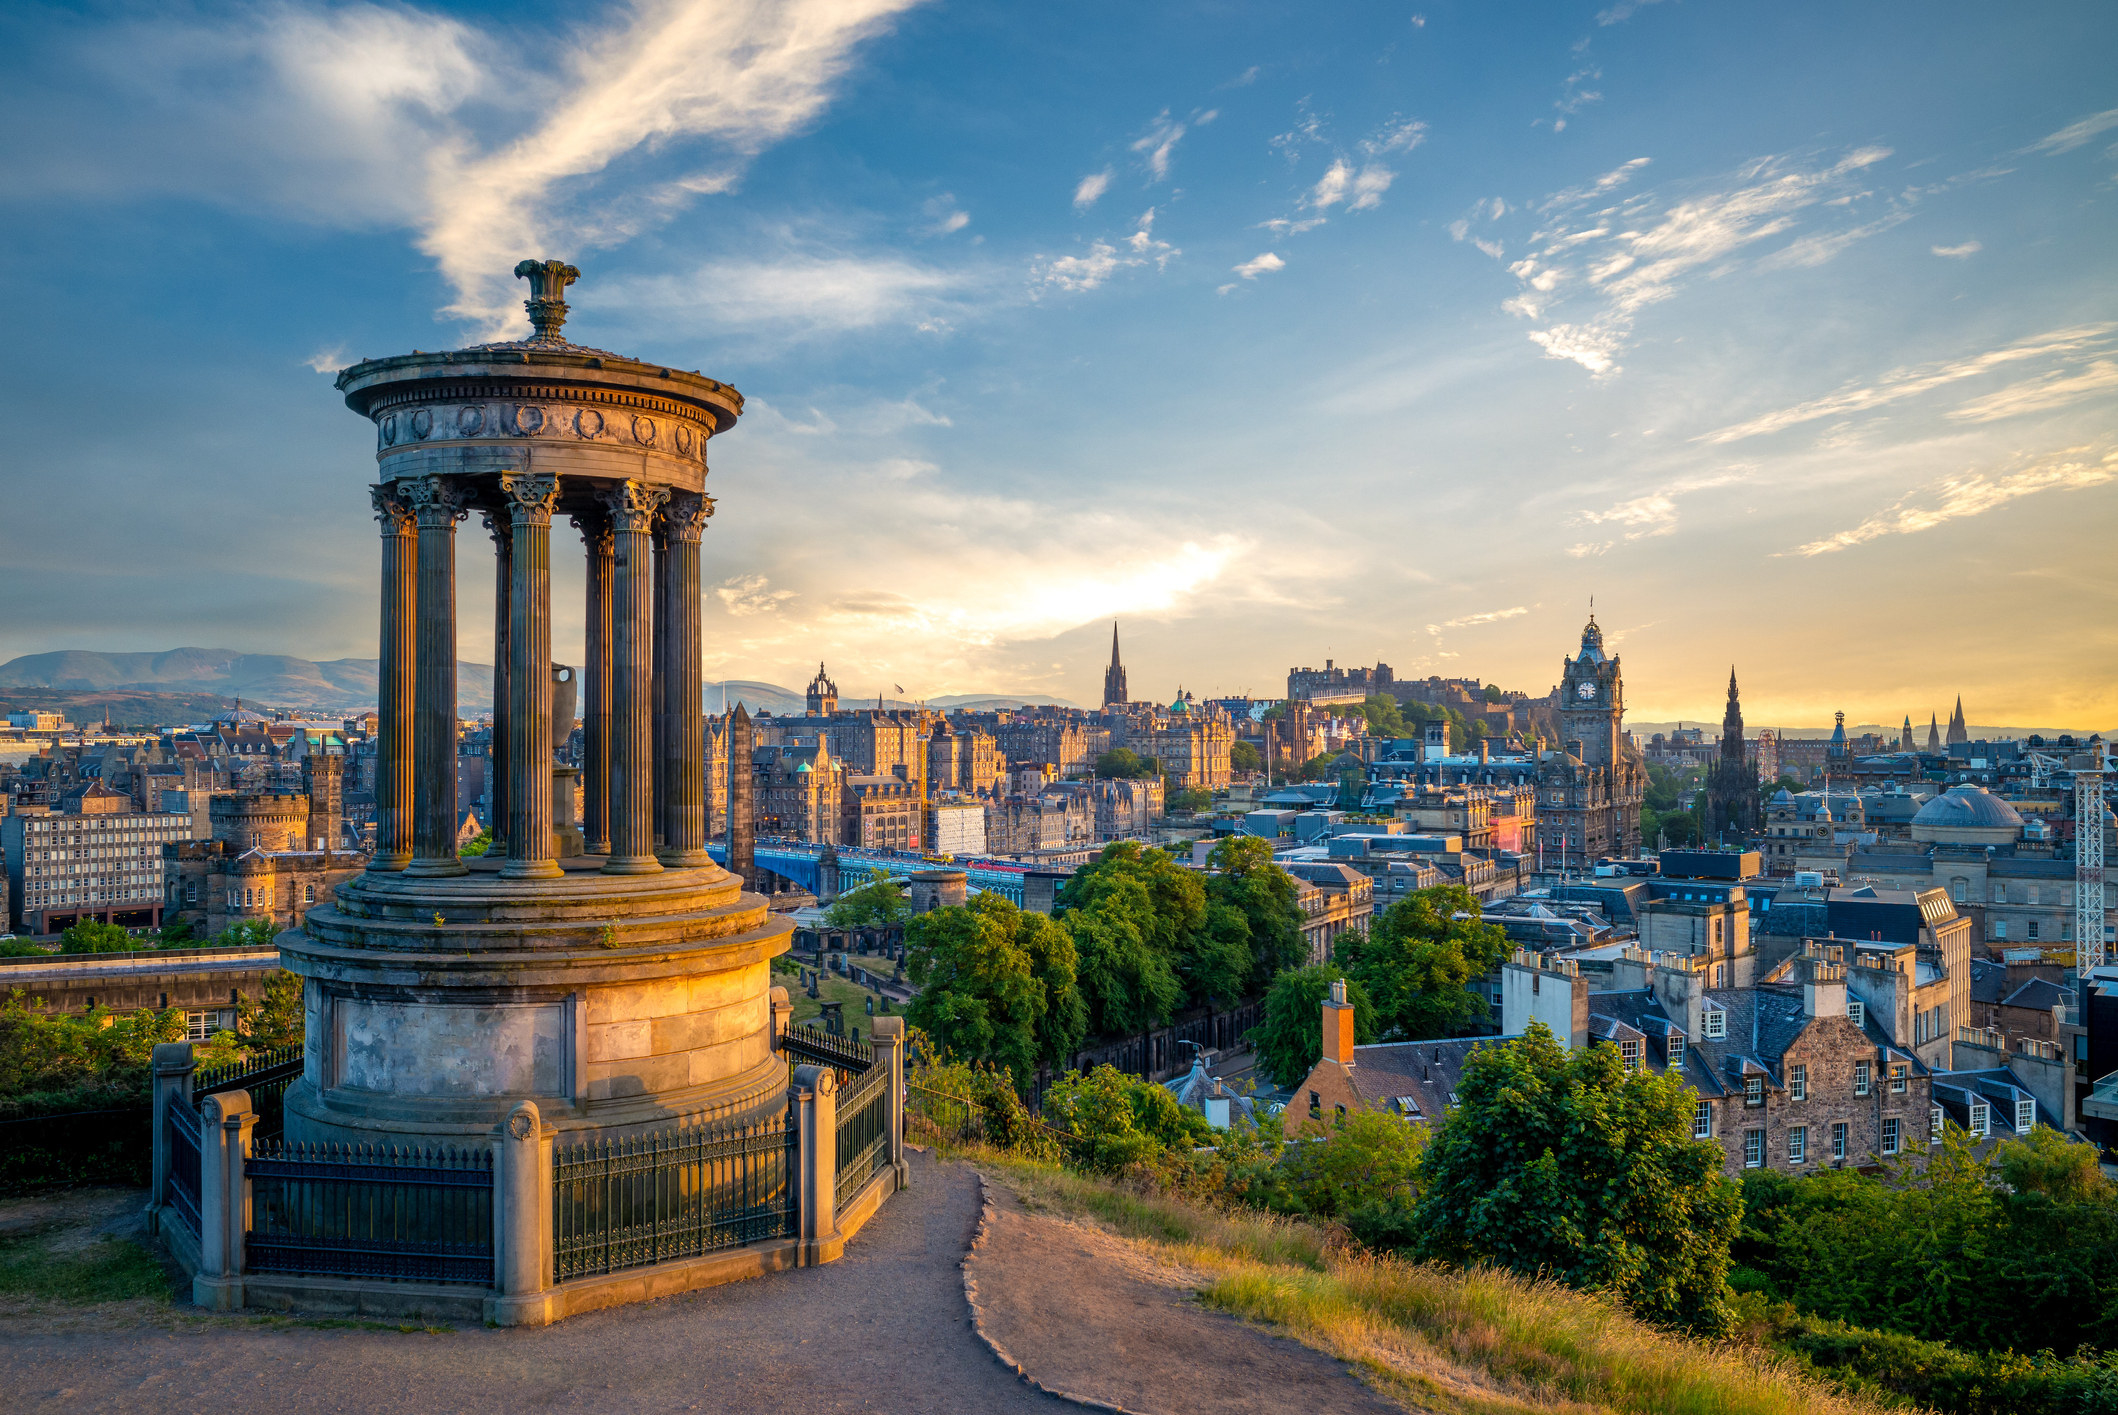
{"x":900,"y":687}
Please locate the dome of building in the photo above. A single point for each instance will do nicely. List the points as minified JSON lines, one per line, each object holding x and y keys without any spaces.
{"x":1782,"y":797}
{"x":1967,"y":814}
{"x":1969,"y":805}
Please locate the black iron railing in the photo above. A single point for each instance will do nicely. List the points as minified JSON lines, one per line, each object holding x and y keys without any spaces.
{"x":182,"y":1136}
{"x":863,"y":1132}
{"x":265,"y":1075}
{"x":372,"y":1211}
{"x":849,"y":1057}
{"x":954,"y":1119}
{"x":671,"y":1194}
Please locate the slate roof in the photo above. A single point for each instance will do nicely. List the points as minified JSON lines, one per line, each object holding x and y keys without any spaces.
{"x":2040,"y":993}
{"x":1989,"y":981}
{"x":1413,"y":1079}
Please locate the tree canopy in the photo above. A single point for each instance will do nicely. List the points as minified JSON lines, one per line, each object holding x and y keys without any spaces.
{"x":1245,"y":757}
{"x":996,"y":983}
{"x":877,"y":904}
{"x":1290,"y":1041}
{"x":95,"y":936}
{"x":1565,"y":1164}
{"x":1418,"y":959}
{"x":1123,"y":763}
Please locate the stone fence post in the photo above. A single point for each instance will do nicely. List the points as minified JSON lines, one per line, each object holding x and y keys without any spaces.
{"x":224,"y":1200}
{"x":816,"y":1103}
{"x":782,"y":1015}
{"x":889,"y":1037}
{"x":522,"y":1220}
{"x":173,"y":1065}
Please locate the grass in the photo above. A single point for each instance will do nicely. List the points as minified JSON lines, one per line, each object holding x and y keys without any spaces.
{"x":105,"y":1270}
{"x":836,"y":989}
{"x":1480,"y":1342}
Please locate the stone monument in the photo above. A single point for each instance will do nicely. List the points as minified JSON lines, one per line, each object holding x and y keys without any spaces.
{"x":622,"y":988}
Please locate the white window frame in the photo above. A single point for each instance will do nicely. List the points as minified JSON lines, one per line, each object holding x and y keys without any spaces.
{"x":1629,"y":1052}
{"x":1839,"y":1137}
{"x":1675,"y":1054}
{"x":1798,"y":1083}
{"x":1856,"y":1012}
{"x":1898,"y":1078}
{"x":1702,"y":1121}
{"x":1798,"y":1145}
{"x":1753,"y":1090}
{"x":1715,"y":1022}
{"x":1863,"y":1078}
{"x":1890,"y":1134}
{"x":1981,"y":1119}
{"x":1936,"y":1116}
{"x":1753,"y":1149}
{"x":2025,"y":1117}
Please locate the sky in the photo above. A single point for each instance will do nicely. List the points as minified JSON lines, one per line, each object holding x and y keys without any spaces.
{"x":1788,"y":334}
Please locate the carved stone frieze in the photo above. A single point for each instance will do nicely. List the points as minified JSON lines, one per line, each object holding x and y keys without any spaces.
{"x":666,"y":429}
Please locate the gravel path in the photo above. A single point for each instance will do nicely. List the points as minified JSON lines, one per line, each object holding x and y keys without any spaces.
{"x":1092,"y":1316}
{"x":885,"y":1328}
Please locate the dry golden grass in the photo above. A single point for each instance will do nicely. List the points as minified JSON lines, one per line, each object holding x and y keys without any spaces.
{"x":1479,"y":1342}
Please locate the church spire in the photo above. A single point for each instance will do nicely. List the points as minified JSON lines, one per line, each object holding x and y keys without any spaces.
{"x":1114,"y":694}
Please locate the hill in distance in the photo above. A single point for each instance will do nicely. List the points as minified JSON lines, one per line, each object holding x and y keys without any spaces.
{"x":790,"y":702}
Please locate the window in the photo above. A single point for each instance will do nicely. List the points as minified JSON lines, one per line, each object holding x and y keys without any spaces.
{"x":1838,"y":1139}
{"x":1981,"y":1119}
{"x":1798,"y":1083}
{"x":2025,"y":1116}
{"x":1897,"y":1079}
{"x":2031,"y":928}
{"x":1676,"y":1049}
{"x":1753,"y":1149}
{"x":1934,"y":1125}
{"x":309,"y":894}
{"x":1316,"y":1104}
{"x":1753,"y":1090}
{"x":1856,"y":1012}
{"x":1720,"y":975}
{"x":1629,"y":1052}
{"x":1716,"y":1022}
{"x":1798,"y":1145}
{"x":1702,"y":1121}
{"x":1861,"y":1073}
{"x":2000,"y":928}
{"x":1890,"y":1135}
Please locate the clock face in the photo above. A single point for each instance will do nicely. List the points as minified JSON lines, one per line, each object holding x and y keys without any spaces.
{"x":1585,"y":691}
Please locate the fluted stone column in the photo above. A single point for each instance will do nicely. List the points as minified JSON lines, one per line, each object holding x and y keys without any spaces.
{"x":632,"y":508}
{"x":530,"y":850}
{"x":400,"y":601}
{"x":595,"y":688}
{"x":684,"y":779}
{"x":659,"y":692}
{"x":497,"y":525}
{"x":438,"y":506}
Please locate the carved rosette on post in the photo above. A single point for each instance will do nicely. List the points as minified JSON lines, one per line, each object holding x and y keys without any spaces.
{"x":620,"y":990}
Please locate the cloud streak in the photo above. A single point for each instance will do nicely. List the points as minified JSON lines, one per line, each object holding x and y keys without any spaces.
{"x":1955,"y":498}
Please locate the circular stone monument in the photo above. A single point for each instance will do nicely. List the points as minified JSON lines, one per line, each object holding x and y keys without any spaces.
{"x":621,"y":989}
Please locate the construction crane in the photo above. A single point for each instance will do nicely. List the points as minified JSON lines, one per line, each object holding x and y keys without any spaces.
{"x":2089,"y":949}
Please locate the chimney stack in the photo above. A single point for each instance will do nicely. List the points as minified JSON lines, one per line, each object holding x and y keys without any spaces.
{"x":1338,"y":1025}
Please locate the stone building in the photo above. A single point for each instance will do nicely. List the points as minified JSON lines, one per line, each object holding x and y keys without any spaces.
{"x":100,"y":860}
{"x":822,"y":697}
{"x":1192,"y":745}
{"x":271,"y":856}
{"x":882,"y":812}
{"x":966,"y":760}
{"x":799,"y":791}
{"x":1590,"y":791}
{"x":1054,"y":820}
{"x":1126,"y":808}
{"x":1114,"y":694}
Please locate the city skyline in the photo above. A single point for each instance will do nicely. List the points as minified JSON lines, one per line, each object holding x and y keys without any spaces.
{"x":1388,"y":336}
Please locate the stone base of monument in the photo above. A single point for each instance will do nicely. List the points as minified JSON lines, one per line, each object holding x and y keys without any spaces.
{"x":617,"y":1003}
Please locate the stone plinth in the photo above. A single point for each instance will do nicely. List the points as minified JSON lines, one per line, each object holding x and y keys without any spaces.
{"x":615,"y":1002}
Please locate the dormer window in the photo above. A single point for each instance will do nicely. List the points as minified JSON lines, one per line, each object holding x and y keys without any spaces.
{"x":2025,"y":1116}
{"x":1629,"y":1052}
{"x":1716,"y":1023}
{"x":1753,"y":1090}
{"x":1857,"y":1014}
{"x":1676,"y":1049}
{"x":1897,"y":1080}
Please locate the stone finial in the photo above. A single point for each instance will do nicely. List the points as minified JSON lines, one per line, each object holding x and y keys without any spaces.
{"x":547,"y":302}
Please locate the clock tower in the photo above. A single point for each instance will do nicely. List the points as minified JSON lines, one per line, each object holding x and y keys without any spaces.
{"x":1591,"y":700}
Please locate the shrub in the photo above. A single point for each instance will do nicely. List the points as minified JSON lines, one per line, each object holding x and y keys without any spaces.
{"x":1123,"y":1121}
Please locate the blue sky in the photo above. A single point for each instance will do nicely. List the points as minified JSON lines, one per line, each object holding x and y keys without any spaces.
{"x":1280,"y":332}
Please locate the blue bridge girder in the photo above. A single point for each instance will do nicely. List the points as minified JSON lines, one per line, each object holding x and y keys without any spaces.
{"x":797,"y":861}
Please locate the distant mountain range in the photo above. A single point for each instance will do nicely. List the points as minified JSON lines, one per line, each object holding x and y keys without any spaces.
{"x":185,"y":681}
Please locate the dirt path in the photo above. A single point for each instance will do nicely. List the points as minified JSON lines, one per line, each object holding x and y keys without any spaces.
{"x":884,"y":1329}
{"x":1090,"y":1315}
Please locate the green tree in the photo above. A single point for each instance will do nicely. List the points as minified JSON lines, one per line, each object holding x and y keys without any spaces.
{"x":1565,"y":1164}
{"x":981,"y":996}
{"x":275,"y":1019}
{"x":1123,"y":1120}
{"x":1290,"y":1041}
{"x":1123,"y":763}
{"x":875,"y":905}
{"x":1494,"y":694}
{"x":1318,"y":767}
{"x":1418,"y":959}
{"x":251,"y":935}
{"x":1129,"y":983}
{"x":1245,"y":757}
{"x":1369,"y":1160}
{"x":95,"y":936}
{"x":477,"y":845}
{"x":1249,"y":882}
{"x":1176,"y":896}
{"x":1385,"y":717}
{"x":175,"y":932}
{"x":1188,"y":801}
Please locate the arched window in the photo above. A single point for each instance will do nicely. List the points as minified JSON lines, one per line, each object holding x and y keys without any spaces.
{"x":309,"y":894}
{"x":249,"y":898}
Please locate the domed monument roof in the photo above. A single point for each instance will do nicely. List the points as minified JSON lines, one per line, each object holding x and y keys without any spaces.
{"x":1971,"y":806}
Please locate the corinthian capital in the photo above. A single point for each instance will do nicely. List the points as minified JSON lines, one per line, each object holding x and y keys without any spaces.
{"x":686,"y":516}
{"x":391,"y":509}
{"x":435,"y":501}
{"x":531,"y":496}
{"x":633,"y":505}
{"x":595,"y":530}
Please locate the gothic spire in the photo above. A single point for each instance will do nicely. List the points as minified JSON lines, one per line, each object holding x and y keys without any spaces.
{"x":1114,"y":643}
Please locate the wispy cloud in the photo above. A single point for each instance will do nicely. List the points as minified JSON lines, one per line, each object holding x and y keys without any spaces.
{"x":1611,"y":256}
{"x":745,"y":595}
{"x":802,"y":292}
{"x":1623,"y":10}
{"x":1487,"y":617}
{"x":1903,"y":383}
{"x":1652,"y":514}
{"x":2076,"y":134}
{"x":1968,"y":248}
{"x":2040,"y":395}
{"x":1260,"y":265}
{"x":944,"y":216}
{"x":1092,"y":187}
{"x":329,"y":360}
{"x":1955,"y":498}
{"x":1076,"y":273}
{"x":1158,"y":143}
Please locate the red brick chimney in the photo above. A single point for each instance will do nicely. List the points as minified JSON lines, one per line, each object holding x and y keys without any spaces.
{"x":1338,"y":1025}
